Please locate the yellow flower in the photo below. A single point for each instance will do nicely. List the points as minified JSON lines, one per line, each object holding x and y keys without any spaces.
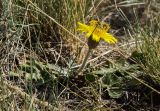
{"x":97,"y":30}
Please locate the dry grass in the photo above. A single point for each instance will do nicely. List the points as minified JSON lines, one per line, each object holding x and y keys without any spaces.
{"x":41,"y":52}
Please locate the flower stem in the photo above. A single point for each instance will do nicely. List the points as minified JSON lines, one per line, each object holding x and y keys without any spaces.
{"x":84,"y":61}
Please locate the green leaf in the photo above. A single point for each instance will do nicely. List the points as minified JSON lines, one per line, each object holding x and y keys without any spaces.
{"x":106,"y":79}
{"x":115,"y":92}
{"x":90,"y":77}
{"x":103,"y":71}
{"x":114,"y":85}
{"x":33,"y":76}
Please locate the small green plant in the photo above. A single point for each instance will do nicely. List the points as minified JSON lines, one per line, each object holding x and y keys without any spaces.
{"x":35,"y":70}
{"x":115,"y":80}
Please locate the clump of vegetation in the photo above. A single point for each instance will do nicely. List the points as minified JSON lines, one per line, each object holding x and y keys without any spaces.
{"x":47,"y":64}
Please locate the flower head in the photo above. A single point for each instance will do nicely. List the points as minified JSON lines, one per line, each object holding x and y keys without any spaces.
{"x":96,"y":31}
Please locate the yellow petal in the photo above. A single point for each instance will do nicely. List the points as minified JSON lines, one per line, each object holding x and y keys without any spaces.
{"x":109,"y":38}
{"x":95,"y":37}
{"x":91,"y":31}
{"x":89,"y":34}
{"x":83,"y":27}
